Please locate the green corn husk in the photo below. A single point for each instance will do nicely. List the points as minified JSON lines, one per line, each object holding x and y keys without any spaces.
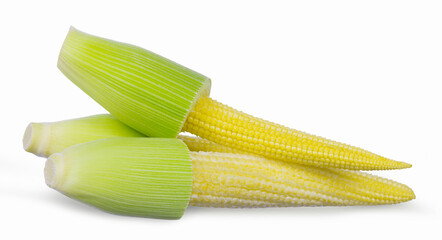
{"x":45,"y":139}
{"x":139,"y":80}
{"x":145,"y":177}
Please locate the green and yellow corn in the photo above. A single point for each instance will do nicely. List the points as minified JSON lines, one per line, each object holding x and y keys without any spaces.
{"x":154,"y":177}
{"x":45,"y":139}
{"x":224,"y":125}
{"x":160,"y":98}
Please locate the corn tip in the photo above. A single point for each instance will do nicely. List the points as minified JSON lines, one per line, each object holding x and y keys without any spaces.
{"x":409,"y":194}
{"x":402,"y":165}
{"x":412,"y":195}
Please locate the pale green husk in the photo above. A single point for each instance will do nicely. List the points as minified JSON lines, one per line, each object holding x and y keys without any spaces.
{"x":142,"y":89}
{"x":45,"y":139}
{"x":146,"y":177}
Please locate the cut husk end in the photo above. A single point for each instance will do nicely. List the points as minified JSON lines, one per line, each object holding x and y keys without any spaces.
{"x":49,"y":172}
{"x":27,"y":137}
{"x":36,"y":139}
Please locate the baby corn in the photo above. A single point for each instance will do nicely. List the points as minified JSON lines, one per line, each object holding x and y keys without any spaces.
{"x":243,"y":180}
{"x":224,"y":125}
{"x":153,"y":177}
{"x":160,"y":98}
{"x":45,"y":139}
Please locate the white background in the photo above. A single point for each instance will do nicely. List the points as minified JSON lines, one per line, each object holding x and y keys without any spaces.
{"x":366,"y":73}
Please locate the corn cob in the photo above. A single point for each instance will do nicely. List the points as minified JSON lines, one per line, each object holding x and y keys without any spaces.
{"x":243,"y":180}
{"x":224,"y":125}
{"x":160,"y":98}
{"x":153,"y":177}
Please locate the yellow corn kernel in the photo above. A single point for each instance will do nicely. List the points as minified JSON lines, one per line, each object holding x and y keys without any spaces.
{"x":224,"y":125}
{"x":241,"y":180}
